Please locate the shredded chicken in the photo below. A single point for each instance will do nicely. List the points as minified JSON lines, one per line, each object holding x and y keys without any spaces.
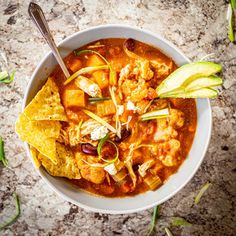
{"x":91,"y":124}
{"x":73,"y":132}
{"x":131,"y":173}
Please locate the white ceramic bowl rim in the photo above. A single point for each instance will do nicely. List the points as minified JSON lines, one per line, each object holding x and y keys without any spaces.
{"x":177,"y":181}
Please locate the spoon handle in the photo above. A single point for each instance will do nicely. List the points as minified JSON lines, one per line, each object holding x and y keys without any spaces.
{"x":37,"y":16}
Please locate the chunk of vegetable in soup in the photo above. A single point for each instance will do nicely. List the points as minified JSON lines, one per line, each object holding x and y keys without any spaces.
{"x":149,"y":151}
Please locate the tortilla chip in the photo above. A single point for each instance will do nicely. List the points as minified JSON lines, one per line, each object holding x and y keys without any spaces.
{"x":66,"y":165}
{"x":40,"y":134}
{"x":34,"y":154}
{"x":46,"y":105}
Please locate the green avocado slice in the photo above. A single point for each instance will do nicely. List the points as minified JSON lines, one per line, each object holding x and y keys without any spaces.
{"x":203,"y":82}
{"x":200,"y":93}
{"x":186,"y":74}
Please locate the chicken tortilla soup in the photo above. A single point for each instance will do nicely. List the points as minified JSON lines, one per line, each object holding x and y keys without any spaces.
{"x":104,"y":128}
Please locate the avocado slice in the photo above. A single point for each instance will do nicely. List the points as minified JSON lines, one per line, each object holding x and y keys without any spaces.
{"x":200,"y":93}
{"x":203,"y":82}
{"x":186,"y":74}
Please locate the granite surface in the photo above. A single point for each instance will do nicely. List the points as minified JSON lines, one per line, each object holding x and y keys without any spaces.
{"x":198,"y":28}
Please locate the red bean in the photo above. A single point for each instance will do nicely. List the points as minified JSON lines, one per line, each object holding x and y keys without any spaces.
{"x":89,"y":149}
{"x":125,"y":133}
{"x":130,"y":44}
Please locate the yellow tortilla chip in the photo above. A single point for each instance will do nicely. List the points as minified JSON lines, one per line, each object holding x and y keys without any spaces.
{"x":46,"y":105}
{"x":34,"y":153}
{"x":40,"y":134}
{"x":66,"y":165}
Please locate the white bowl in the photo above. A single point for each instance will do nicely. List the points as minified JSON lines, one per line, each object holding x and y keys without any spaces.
{"x":177,"y":181}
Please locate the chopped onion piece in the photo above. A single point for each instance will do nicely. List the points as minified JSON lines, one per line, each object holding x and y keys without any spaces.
{"x":111,"y":169}
{"x":153,"y":181}
{"x":120,"y":175}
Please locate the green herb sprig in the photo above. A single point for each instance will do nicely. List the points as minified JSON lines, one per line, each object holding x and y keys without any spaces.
{"x":16,"y":216}
{"x":155,"y":216}
{"x":2,"y":153}
{"x":179,"y":221}
{"x":201,"y":192}
{"x":233,"y":4}
{"x":97,"y":99}
{"x":230,"y":18}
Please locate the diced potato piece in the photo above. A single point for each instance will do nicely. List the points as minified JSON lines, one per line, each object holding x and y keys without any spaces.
{"x":95,"y":60}
{"x":106,"y":108}
{"x":73,"y":98}
{"x":101,"y":78}
{"x":75,"y":64}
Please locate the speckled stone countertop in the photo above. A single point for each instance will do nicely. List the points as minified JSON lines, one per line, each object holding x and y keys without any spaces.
{"x":197,"y":27}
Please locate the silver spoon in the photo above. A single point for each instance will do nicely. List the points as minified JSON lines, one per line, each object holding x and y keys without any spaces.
{"x":37,"y":16}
